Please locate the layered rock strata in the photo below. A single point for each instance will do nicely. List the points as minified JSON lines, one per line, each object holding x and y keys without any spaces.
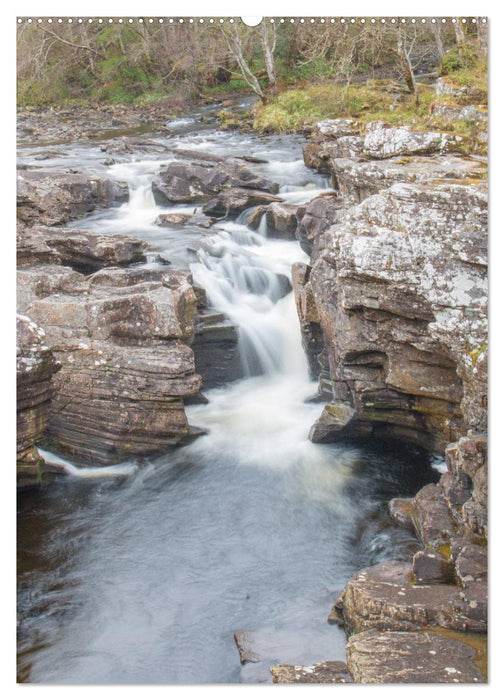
{"x":121,"y":337}
{"x":395,"y":300}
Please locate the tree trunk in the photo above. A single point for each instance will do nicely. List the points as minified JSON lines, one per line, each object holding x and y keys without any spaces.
{"x":459,"y":31}
{"x":406,"y":67}
{"x":268,"y":52}
{"x":483,"y":37}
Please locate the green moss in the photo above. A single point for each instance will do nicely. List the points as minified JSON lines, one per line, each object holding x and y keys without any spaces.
{"x":444,"y":550}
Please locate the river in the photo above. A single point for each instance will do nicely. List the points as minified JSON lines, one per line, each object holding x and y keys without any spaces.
{"x":144,"y":575}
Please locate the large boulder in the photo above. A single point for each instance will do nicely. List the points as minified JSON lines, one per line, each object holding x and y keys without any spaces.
{"x":199,"y":181}
{"x":120,"y":336}
{"x":281,"y":219}
{"x":400,"y":290}
{"x":385,"y":141}
{"x":359,"y":179}
{"x":115,"y":402}
{"x":55,"y":198}
{"x":229,"y":203}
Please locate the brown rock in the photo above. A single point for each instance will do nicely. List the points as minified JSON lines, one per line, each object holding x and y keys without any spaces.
{"x":200,"y":181}
{"x":113,"y":402}
{"x":471,"y":564}
{"x":382,"y":597}
{"x":400,"y":510}
{"x":325,"y":672}
{"x":282,"y":221}
{"x":431,"y":517}
{"x":411,"y":657}
{"x":430,"y":567}
{"x":125,"y":373}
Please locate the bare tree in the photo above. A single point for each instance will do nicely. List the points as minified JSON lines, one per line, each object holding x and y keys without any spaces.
{"x":404,"y":54}
{"x":234,"y":43}
{"x":268,"y":43}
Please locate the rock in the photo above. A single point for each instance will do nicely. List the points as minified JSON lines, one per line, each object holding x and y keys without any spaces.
{"x":35,"y":367}
{"x":385,"y":141}
{"x":84,"y":251}
{"x":39,"y":281}
{"x":335,"y":129}
{"x":55,"y":198}
{"x":430,"y":567}
{"x":231,"y":202}
{"x":325,"y":672}
{"x":457,"y":490}
{"x":311,"y":333}
{"x":174,"y":220}
{"x":119,"y":337}
{"x":245,"y":643}
{"x":316,"y":217}
{"x":382,"y":598}
{"x":31,"y":471}
{"x":199,"y":182}
{"x":361,"y":179}
{"x":431,"y":517}
{"x":411,"y":657}
{"x":216,"y":352}
{"x":471,"y":565}
{"x":468,"y":113}
{"x":281,"y":220}
{"x":400,"y":510}
{"x":180,"y":220}
{"x":253,"y":220}
{"x":396,"y":303}
{"x":466,"y":93}
{"x":115,"y":402}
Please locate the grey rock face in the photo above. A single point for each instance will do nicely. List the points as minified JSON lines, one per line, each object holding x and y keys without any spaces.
{"x":399,"y":284}
{"x":200,"y":181}
{"x":55,"y":198}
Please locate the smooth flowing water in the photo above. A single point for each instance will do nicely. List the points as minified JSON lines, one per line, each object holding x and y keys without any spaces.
{"x":143,"y":573}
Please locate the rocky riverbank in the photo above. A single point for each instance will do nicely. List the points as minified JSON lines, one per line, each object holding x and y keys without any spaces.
{"x":394,"y":302}
{"x":393,"y":313}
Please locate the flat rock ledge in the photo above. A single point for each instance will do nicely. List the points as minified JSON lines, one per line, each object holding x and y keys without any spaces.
{"x":411,"y":657}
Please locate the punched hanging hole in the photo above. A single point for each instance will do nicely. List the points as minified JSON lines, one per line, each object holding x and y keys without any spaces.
{"x":251,"y":21}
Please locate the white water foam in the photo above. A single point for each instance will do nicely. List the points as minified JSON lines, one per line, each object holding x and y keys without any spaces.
{"x":114,"y":470}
